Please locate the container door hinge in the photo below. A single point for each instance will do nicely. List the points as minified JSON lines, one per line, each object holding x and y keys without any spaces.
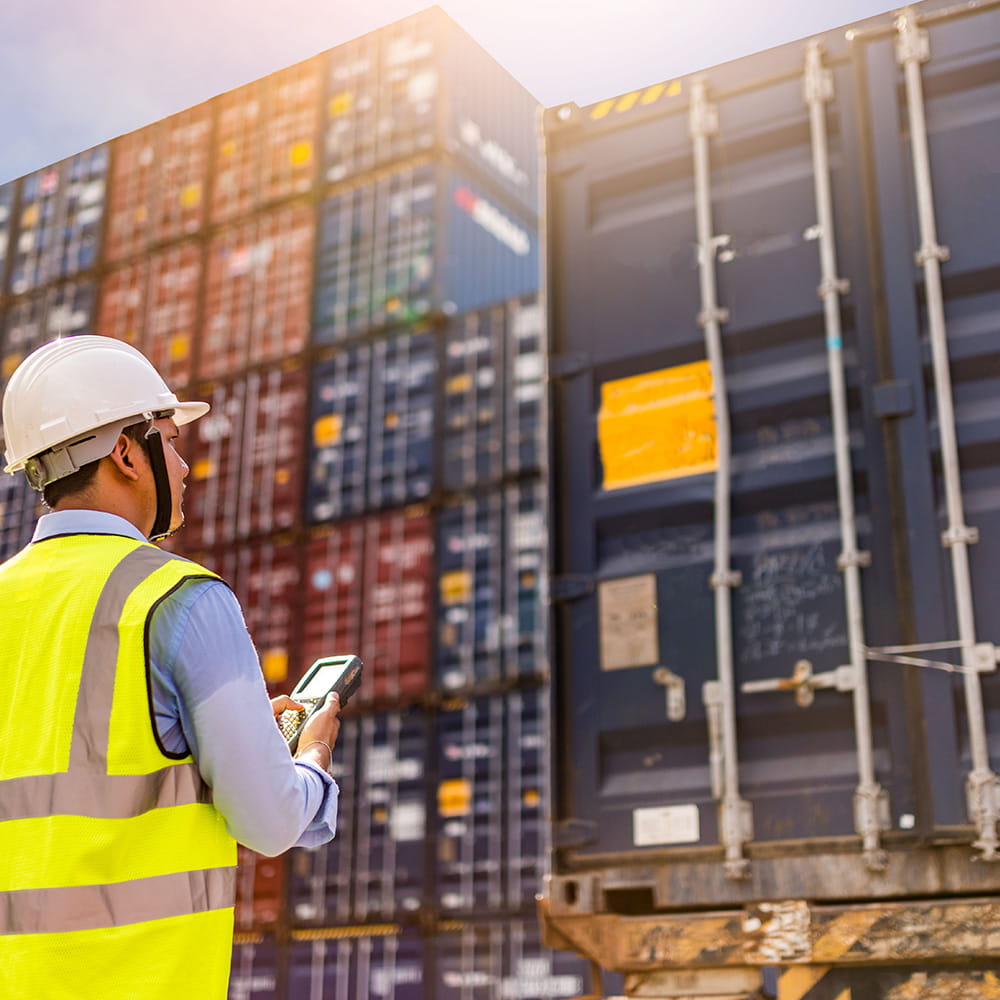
{"x":568,"y":365}
{"x":570,"y":587}
{"x":573,"y":832}
{"x":676,"y":700}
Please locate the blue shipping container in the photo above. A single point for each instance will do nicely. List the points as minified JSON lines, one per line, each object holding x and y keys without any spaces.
{"x":341,"y":967}
{"x":493,"y":379}
{"x":810,"y":735}
{"x":254,"y":973}
{"x":58,"y":311}
{"x":422,"y":85}
{"x":422,"y":240}
{"x":60,"y":218}
{"x":484,"y":961}
{"x":491,"y":587}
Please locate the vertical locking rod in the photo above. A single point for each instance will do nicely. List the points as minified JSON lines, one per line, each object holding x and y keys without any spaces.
{"x":870,"y":800}
{"x":735,"y":819}
{"x":982,"y":785}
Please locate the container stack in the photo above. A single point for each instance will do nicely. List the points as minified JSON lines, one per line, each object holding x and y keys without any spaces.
{"x":343,"y":258}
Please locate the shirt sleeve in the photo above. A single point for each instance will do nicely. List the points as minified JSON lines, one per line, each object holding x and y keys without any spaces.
{"x":209,"y":699}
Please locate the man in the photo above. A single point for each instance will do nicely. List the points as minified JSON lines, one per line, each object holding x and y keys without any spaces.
{"x":137,"y":743}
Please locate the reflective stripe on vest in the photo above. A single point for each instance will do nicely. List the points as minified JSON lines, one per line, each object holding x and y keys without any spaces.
{"x":99,"y":828}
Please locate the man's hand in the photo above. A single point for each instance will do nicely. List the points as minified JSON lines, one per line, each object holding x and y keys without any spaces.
{"x":282,"y":704}
{"x":319,"y":736}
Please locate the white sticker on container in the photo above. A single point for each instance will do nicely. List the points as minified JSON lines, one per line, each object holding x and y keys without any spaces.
{"x":666,"y":825}
{"x":407,"y":821}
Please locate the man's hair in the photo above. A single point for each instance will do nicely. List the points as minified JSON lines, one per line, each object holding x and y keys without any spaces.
{"x":78,"y":481}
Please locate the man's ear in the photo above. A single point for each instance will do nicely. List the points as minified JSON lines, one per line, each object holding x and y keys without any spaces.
{"x":123,"y":456}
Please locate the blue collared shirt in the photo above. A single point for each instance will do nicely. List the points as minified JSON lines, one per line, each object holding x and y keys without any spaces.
{"x":209,"y":699}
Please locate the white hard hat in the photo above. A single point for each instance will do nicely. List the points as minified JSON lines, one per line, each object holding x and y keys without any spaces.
{"x":66,"y":390}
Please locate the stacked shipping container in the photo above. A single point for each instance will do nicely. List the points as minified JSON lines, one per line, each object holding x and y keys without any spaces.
{"x":343,"y":259}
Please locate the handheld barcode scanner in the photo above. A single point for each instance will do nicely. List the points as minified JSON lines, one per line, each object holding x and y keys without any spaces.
{"x":332,"y":673}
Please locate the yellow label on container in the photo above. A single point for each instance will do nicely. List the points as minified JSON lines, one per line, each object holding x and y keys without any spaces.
{"x":456,"y":586}
{"x":190,"y":195}
{"x":300,"y":153}
{"x":458,"y":383}
{"x":141,"y":214}
{"x":274,"y":663}
{"x":658,"y":425}
{"x":10,"y":362}
{"x":455,"y":797}
{"x":326,"y":430}
{"x":228,"y":148}
{"x":340,"y":104}
{"x":282,"y":476}
{"x":180,"y":346}
{"x":30,"y":215}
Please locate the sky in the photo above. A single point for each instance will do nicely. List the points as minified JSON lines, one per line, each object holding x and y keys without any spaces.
{"x":74,"y":73}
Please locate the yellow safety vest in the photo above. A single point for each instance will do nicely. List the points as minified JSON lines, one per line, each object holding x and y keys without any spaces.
{"x":117,"y":874}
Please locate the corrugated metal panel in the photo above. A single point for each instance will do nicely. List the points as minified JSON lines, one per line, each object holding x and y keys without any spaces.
{"x":265,"y":141}
{"x":527,"y":796}
{"x":421,"y":85}
{"x":493,"y":382}
{"x":61,"y":213}
{"x":152,"y":303}
{"x":260,"y":890}
{"x":493,"y":802}
{"x":470,"y":807}
{"x":338,"y":440}
{"x":391,"y":814}
{"x":20,"y":508}
{"x":58,"y":311}
{"x":368,"y":591}
{"x":266,"y":576}
{"x":492,"y":551}
{"x":246,"y":458}
{"x":259,"y":276}
{"x":389,"y":966}
{"x":254,"y":972}
{"x":373,"y":410}
{"x":401,"y":426}
{"x":158,"y":183}
{"x":637,"y":537}
{"x":487,"y":960}
{"x":320,"y":878}
{"x":429,"y":238}
{"x":398,"y":608}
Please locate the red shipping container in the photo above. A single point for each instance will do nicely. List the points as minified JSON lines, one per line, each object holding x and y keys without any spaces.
{"x":266,"y":576}
{"x":333,"y":594}
{"x":158,"y":179}
{"x":265,"y":148}
{"x":260,"y":889}
{"x":246,"y":457}
{"x":397,"y":614}
{"x":257,"y":304}
{"x":152,"y":303}
{"x":368,"y":591}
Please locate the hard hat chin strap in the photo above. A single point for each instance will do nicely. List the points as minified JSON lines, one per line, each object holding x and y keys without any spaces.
{"x":164,"y":500}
